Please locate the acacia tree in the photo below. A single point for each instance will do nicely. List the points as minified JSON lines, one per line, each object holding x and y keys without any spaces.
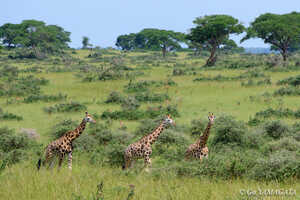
{"x":161,"y":39}
{"x":152,"y":39}
{"x":86,"y":42}
{"x":126,"y":42}
{"x":212,"y":31}
{"x":281,"y":31}
{"x":35,"y":35}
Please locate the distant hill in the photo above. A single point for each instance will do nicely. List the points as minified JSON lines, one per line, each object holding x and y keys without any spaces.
{"x":258,"y":50}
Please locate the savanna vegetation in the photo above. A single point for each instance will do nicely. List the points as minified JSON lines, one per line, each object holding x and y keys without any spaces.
{"x":254,"y":142}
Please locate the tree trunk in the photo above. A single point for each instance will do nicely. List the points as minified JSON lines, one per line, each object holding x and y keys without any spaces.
{"x":284,"y":54}
{"x":212,"y":58}
{"x":164,"y":51}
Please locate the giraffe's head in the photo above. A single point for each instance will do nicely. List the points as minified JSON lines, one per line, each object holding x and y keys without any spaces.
{"x":211,"y":117}
{"x":169,"y":121}
{"x":88,"y":118}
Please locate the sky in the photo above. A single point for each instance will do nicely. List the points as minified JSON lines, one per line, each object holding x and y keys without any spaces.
{"x":104,"y":20}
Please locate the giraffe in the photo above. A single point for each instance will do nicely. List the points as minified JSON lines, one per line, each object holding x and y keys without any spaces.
{"x":142,"y":148}
{"x":199,"y":149}
{"x":63,"y":145}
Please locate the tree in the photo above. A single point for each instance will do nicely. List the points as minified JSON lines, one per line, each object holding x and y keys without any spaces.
{"x":152,"y":39}
{"x":35,"y":35}
{"x":161,"y":39}
{"x":85,"y":42}
{"x":212,"y":31}
{"x":281,"y":31}
{"x":126,"y":42}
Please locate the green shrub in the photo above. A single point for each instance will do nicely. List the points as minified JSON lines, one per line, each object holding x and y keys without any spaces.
{"x":279,"y":166}
{"x":293,"y":81}
{"x":228,"y":130}
{"x":151,"y":97}
{"x":197,"y":127}
{"x":114,"y":97}
{"x":66,"y":107}
{"x":62,"y":127}
{"x":14,"y":147}
{"x":288,"y":144}
{"x":287,"y":91}
{"x":45,"y":98}
{"x":130,"y":104}
{"x":276,"y":129}
{"x":9,"y":116}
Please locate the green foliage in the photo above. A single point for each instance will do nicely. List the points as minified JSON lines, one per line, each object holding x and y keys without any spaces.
{"x":212,"y":31}
{"x":292,"y":81}
{"x":14,"y":147}
{"x":287,"y":91}
{"x":62,"y":127}
{"x":135,"y":114}
{"x":44,"y":98}
{"x":9,"y":116}
{"x":279,"y":166}
{"x":66,"y":107}
{"x":281,"y":31}
{"x":154,"y":39}
{"x":228,"y":131}
{"x":35,"y":36}
{"x":276,"y":129}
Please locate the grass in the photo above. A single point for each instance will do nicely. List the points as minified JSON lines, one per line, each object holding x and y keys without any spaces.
{"x":22,"y":181}
{"x":193,"y":99}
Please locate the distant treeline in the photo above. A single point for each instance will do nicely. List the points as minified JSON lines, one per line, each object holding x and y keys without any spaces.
{"x":210,"y":33}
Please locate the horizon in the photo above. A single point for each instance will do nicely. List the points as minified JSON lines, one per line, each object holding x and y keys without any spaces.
{"x":82,"y":18}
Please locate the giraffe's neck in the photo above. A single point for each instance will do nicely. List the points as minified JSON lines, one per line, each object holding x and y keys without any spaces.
{"x":203,"y":139}
{"x":77,"y":132}
{"x":152,"y":137}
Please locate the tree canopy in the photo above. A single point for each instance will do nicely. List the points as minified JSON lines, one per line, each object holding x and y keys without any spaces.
{"x":281,"y":31}
{"x":36,"y":35}
{"x":151,"y":39}
{"x":212,"y":31}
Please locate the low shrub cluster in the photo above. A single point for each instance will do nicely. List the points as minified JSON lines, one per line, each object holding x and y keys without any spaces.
{"x":45,"y":98}
{"x":281,"y":112}
{"x":136,"y":114}
{"x":287,"y":91}
{"x":251,"y":82}
{"x":65,"y":107}
{"x":14,"y":147}
{"x":292,"y":81}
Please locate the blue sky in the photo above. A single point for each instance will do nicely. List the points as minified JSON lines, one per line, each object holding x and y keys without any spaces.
{"x":103,"y":21}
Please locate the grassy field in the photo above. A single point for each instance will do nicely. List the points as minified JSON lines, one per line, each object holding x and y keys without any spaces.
{"x":194,"y":99}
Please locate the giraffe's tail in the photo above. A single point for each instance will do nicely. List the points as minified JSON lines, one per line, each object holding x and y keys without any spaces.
{"x":39,"y":163}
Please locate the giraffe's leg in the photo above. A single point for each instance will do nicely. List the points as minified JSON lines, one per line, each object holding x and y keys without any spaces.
{"x":52,"y":161}
{"x":132,"y":163}
{"x":60,"y":159}
{"x":127,"y":162}
{"x":48,"y":157}
{"x":70,"y":160}
{"x":147,"y":163}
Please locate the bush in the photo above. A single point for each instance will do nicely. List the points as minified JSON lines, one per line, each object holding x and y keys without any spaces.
{"x":151,"y":97}
{"x":293,"y":81}
{"x":141,"y":86}
{"x":45,"y":98}
{"x":14,"y":147}
{"x":287,"y":91}
{"x":197,"y":127}
{"x":279,"y":166}
{"x":276,"y":129}
{"x":114,"y":97}
{"x":228,"y":130}
{"x":130,"y":104}
{"x":9,"y":116}
{"x":66,"y":107}
{"x":288,"y":144}
{"x":62,"y":127}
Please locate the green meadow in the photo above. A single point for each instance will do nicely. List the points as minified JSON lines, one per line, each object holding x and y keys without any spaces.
{"x":249,"y":152}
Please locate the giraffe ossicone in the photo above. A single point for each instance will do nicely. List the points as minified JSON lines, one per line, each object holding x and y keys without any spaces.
{"x":63,"y":145}
{"x":142,"y":148}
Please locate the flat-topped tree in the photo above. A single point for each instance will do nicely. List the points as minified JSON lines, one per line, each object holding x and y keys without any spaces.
{"x":212,"y":31}
{"x":281,"y":31}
